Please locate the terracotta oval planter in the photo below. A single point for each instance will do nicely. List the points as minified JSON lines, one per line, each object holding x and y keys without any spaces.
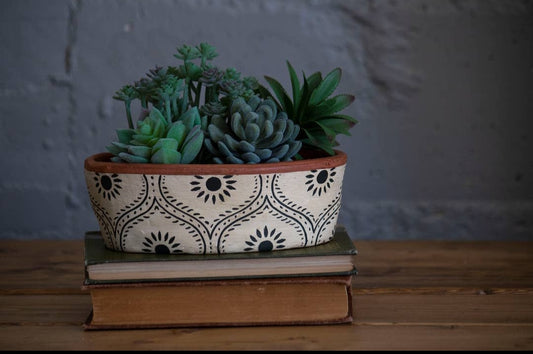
{"x":212,"y":208}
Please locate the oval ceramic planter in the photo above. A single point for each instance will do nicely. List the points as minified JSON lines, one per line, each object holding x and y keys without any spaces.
{"x":201,"y":209}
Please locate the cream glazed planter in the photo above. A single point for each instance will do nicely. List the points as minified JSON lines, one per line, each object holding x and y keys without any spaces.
{"x":205,"y":209}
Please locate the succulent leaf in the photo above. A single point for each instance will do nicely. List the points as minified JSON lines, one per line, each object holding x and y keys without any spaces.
{"x":345,"y":117}
{"x":115,"y":150}
{"x":141,"y":151}
{"x":250,"y":157}
{"x":125,"y":135}
{"x":326,"y":87}
{"x":314,"y":80}
{"x":273,"y":140}
{"x":252,"y":132}
{"x":232,"y":74}
{"x":294,"y":147}
{"x":234,"y":160}
{"x":177,"y":132}
{"x":211,"y":148}
{"x":207,"y":51}
{"x":192,"y":146}
{"x":237,"y":125}
{"x":166,"y":144}
{"x":281,"y":95}
{"x":230,"y":142}
{"x":320,"y":141}
{"x":251,"y":83}
{"x":186,"y":52}
{"x":215,"y":132}
{"x":124,"y":156}
{"x":337,"y":125}
{"x":245,"y":146}
{"x":342,"y":101}
{"x":295,"y":83}
{"x":280,"y":151}
{"x":191,"y":118}
{"x":212,"y":108}
{"x":264,"y":154}
{"x":166,"y":156}
{"x":211,"y":77}
{"x":224,"y":150}
{"x":267,"y":129}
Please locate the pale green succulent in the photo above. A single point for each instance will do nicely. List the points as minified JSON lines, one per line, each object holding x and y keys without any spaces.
{"x":155,"y":140}
{"x":254,"y":132}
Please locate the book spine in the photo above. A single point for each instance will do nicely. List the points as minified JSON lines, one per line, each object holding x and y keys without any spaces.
{"x":321,"y":300}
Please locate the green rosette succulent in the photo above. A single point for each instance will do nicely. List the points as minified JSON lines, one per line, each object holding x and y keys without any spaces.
{"x":254,"y":132}
{"x":155,"y":140}
{"x":313,"y":107}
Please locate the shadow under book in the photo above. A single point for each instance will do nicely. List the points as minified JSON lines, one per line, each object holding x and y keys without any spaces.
{"x":310,"y":285}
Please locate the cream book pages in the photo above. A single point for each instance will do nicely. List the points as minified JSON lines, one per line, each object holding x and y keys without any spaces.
{"x":335,"y":257}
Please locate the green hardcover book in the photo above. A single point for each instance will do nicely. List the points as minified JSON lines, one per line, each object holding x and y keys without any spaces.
{"x":103,"y":265}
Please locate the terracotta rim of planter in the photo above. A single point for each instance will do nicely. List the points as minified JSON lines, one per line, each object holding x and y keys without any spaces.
{"x":101,"y":163}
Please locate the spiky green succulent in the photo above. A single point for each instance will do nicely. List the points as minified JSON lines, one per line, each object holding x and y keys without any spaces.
{"x":155,"y":140}
{"x":313,"y":108}
{"x":254,"y":132}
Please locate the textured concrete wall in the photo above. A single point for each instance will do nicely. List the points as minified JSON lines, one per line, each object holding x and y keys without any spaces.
{"x":444,"y":98}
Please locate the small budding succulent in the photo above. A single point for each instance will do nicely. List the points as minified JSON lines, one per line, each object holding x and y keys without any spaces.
{"x":155,"y":140}
{"x":254,"y":132}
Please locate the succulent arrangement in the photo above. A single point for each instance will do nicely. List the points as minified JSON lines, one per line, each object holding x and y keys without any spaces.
{"x":199,"y":113}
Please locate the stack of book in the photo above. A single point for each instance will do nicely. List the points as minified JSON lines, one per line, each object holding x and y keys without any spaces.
{"x":310,"y":285}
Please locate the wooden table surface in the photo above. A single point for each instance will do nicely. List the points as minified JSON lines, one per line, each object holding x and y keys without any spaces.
{"x":408,"y":295}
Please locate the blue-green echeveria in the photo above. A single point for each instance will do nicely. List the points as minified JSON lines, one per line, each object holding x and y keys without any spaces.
{"x":253,"y":132}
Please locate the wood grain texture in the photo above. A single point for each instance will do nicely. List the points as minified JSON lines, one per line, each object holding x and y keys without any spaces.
{"x":408,"y":295}
{"x":369,"y":309}
{"x":458,"y":264}
{"x":57,"y":266}
{"x":41,"y":266}
{"x":23,"y":310}
{"x":339,"y":337}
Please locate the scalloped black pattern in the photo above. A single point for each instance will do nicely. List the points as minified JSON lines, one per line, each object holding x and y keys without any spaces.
{"x":274,"y":212}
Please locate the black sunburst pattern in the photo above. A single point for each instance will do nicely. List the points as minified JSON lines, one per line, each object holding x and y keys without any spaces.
{"x":108,"y":185}
{"x":320,"y":181}
{"x":161,"y":244}
{"x":265,"y":241}
{"x":213,"y":188}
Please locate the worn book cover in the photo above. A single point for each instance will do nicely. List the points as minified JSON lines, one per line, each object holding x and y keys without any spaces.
{"x":237,"y":302}
{"x":103,"y":265}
